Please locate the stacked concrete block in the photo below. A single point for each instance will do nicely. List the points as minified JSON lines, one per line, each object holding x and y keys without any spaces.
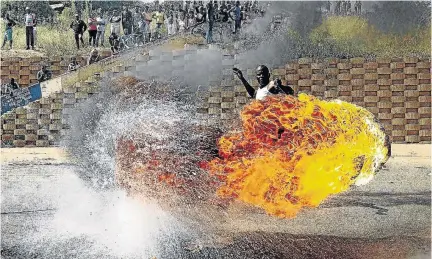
{"x":24,"y":70}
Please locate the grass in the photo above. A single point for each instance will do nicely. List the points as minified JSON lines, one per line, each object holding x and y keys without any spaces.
{"x":353,"y":34}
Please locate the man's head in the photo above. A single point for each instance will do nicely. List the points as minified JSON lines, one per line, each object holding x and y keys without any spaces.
{"x":12,"y":80}
{"x":146,"y":8}
{"x":27,"y":10}
{"x":77,"y":17}
{"x":124,"y":8}
{"x":160,"y":8}
{"x":137,"y":9}
{"x":44,"y":67}
{"x":237,"y":3}
{"x":263,"y":75}
{"x":94,"y":52}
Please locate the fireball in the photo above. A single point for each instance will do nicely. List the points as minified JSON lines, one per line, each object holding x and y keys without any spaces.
{"x":293,"y":153}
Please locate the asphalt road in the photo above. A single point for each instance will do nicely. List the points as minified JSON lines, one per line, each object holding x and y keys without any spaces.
{"x":47,"y":212}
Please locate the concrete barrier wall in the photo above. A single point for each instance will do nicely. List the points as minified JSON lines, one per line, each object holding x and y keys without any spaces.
{"x":397,"y":91}
{"x":24,"y":70}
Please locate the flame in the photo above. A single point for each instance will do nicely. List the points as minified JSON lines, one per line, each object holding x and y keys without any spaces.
{"x":295,"y":152}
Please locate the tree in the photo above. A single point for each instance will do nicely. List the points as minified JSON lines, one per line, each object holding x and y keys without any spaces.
{"x":400,"y":17}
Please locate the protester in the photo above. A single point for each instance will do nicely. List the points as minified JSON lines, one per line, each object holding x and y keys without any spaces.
{"x":148,"y":19}
{"x":266,"y":87}
{"x":127,"y":21}
{"x":211,"y":18}
{"x":13,"y":85}
{"x":237,"y":17}
{"x":92,"y":30}
{"x":100,"y":34}
{"x":8,"y":32}
{"x":115,"y":21}
{"x":79,"y":27}
{"x":114,"y":41}
{"x":74,"y":65}
{"x":159,"y":17}
{"x":30,"y":22}
{"x":182,"y":23}
{"x":44,"y":74}
{"x":94,"y":57}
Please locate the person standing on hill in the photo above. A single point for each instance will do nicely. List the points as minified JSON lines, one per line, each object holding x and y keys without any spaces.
{"x":148,"y":19}
{"x":92,"y":30}
{"x":79,"y":27}
{"x":8,"y":32}
{"x":115,"y":21}
{"x":127,"y":21}
{"x":100,"y":34}
{"x":30,"y":22}
{"x":44,"y":74}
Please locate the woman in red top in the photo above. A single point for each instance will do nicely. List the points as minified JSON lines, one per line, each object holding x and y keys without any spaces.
{"x":92,"y":29}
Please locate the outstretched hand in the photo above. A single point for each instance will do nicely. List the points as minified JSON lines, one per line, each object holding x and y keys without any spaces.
{"x":238,"y":73}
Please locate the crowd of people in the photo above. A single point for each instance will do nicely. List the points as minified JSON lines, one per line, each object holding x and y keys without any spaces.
{"x":143,"y":23}
{"x":342,"y":7}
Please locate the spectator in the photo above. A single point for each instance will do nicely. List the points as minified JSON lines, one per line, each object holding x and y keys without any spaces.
{"x":115,"y":23}
{"x":169,"y":24}
{"x":30,"y":22}
{"x":94,"y":57}
{"x":182,"y":23}
{"x":44,"y":74}
{"x":237,"y":17}
{"x":127,"y":21}
{"x":148,"y":19}
{"x":92,"y":30}
{"x":190,"y":19}
{"x":34,"y":35}
{"x":142,"y":31}
{"x":114,"y":41}
{"x":159,"y":17}
{"x":13,"y":85}
{"x":74,"y":65}
{"x":210,"y":15}
{"x":8,"y":32}
{"x":79,"y":27}
{"x":100,"y":34}
{"x":137,"y":19}
{"x":357,"y":7}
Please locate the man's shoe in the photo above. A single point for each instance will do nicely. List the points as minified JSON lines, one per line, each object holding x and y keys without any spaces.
{"x":27,"y":48}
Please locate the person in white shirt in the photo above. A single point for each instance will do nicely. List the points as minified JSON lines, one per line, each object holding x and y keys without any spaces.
{"x":100,"y":35}
{"x":30,"y":23}
{"x":266,"y":87}
{"x":115,"y":21}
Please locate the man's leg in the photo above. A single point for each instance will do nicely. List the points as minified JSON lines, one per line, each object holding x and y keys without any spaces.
{"x":82,"y":38}
{"x":77,"y":40}
{"x":97,"y":38}
{"x":102,"y":39}
{"x":31,"y":36}
{"x":4,"y":41}
{"x":28,"y":37}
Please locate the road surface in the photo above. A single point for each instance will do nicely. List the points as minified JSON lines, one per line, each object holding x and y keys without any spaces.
{"x":47,"y":212}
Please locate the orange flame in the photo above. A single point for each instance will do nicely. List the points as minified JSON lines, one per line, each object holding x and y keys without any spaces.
{"x":295,"y":152}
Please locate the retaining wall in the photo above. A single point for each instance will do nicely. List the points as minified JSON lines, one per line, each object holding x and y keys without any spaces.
{"x":397,"y":91}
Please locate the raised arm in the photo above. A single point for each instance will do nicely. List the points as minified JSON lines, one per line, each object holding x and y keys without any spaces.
{"x":251,"y":91}
{"x":286,"y":89}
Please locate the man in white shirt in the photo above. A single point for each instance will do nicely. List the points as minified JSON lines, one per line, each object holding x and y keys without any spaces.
{"x":115,"y":21}
{"x":30,"y":22}
{"x":266,"y":87}
{"x":100,"y":35}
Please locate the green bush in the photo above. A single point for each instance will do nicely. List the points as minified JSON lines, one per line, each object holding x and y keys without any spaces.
{"x":352,"y":34}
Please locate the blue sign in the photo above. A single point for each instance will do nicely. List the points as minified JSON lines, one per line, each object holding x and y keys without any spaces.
{"x":13,"y":98}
